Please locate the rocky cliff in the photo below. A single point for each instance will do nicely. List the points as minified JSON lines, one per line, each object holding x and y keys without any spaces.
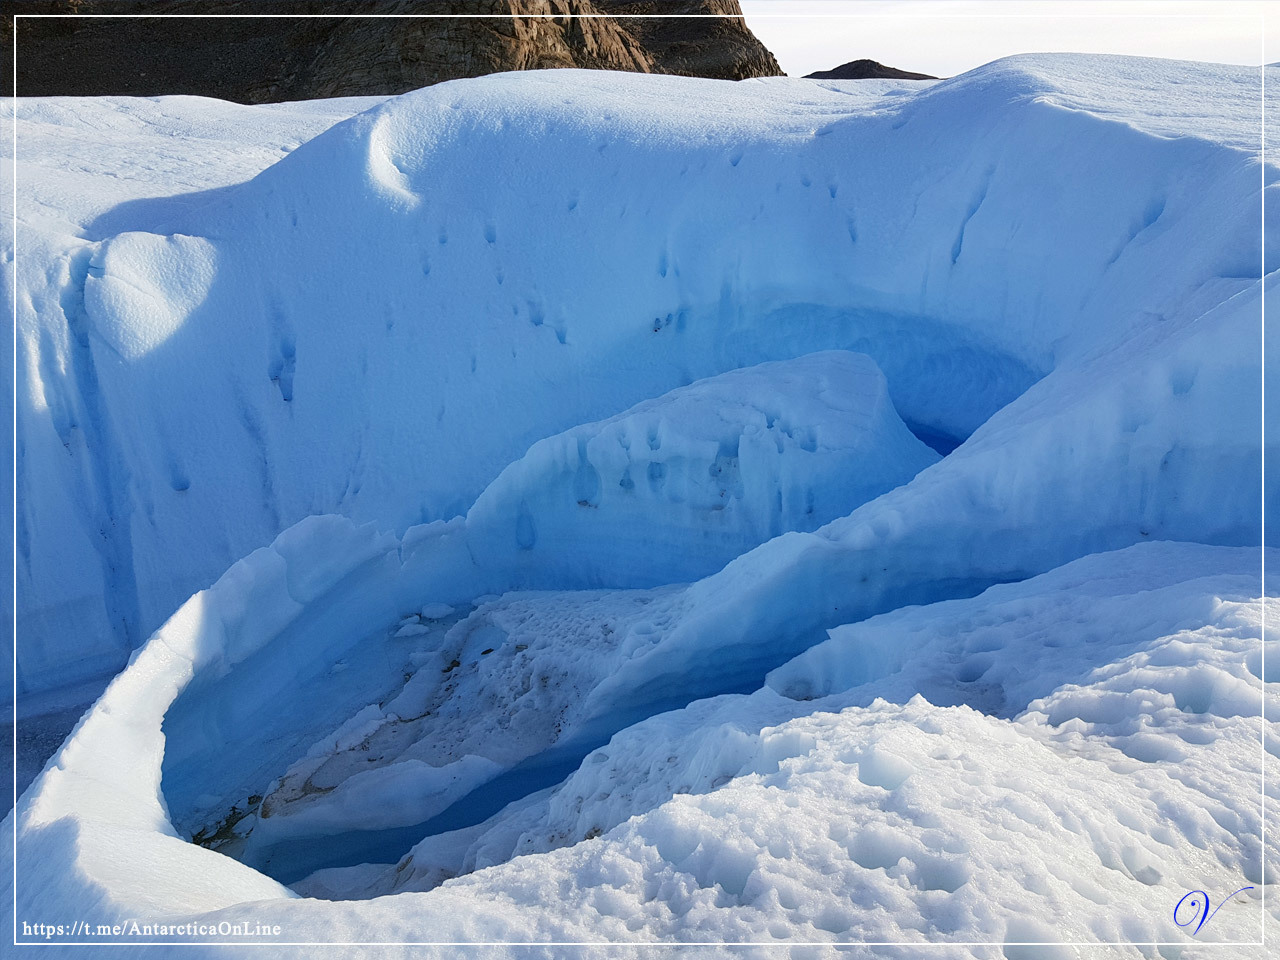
{"x":275,"y":58}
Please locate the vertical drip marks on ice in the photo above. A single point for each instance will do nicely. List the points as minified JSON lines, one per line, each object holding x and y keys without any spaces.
{"x":586,"y":480}
{"x":103,"y":479}
{"x":673,"y":488}
{"x":526,"y":535}
{"x":975,"y":205}
{"x":283,"y":361}
{"x":270,"y":498}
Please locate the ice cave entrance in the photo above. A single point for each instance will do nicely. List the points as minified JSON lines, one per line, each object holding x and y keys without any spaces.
{"x":228,"y":743}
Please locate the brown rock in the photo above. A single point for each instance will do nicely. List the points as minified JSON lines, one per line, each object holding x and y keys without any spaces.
{"x":269,"y":59}
{"x":706,"y":41}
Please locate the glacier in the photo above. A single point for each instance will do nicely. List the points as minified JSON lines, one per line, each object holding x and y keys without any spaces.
{"x":646,"y":509}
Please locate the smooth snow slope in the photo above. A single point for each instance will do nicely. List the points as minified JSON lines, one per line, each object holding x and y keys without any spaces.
{"x":970,"y":236}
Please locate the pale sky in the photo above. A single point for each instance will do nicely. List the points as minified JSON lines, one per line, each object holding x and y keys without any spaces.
{"x":947,"y":37}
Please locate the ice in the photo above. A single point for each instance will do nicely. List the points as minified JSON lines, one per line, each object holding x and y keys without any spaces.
{"x":79,"y":160}
{"x":675,"y":487}
{"x":854,"y":816}
{"x":803,"y":678}
{"x":750,"y":453}
{"x":817,"y":810}
{"x":371,"y":255}
{"x":412,"y":630}
{"x":503,"y":691}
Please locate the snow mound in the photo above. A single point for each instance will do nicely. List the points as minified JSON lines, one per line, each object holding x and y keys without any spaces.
{"x":141,"y":288}
{"x":676,"y":487}
{"x":1014,"y":644}
{"x":889,"y":823}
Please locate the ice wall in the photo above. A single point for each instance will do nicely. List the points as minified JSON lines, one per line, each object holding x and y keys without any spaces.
{"x":379,"y":323}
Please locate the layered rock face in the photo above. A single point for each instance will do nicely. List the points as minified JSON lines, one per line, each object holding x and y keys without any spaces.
{"x":722,"y":48}
{"x":271,"y":59}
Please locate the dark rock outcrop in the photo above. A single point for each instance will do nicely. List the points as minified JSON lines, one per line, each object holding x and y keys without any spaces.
{"x":276,"y":58}
{"x":867,"y":70}
{"x":706,"y":40}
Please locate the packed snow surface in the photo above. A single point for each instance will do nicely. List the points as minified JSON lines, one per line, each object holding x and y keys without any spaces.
{"x":1014,"y":805}
{"x":654,"y":510}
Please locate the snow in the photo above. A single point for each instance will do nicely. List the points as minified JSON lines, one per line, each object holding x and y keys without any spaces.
{"x":588,"y":570}
{"x":1155,"y":639}
{"x":967,"y":274}
{"x":851,"y":817}
{"x":674,"y":488}
{"x":81,"y":160}
{"x":141,"y":288}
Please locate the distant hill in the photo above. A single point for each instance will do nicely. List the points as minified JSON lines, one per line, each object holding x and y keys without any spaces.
{"x":867,"y":70}
{"x":275,"y":58}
